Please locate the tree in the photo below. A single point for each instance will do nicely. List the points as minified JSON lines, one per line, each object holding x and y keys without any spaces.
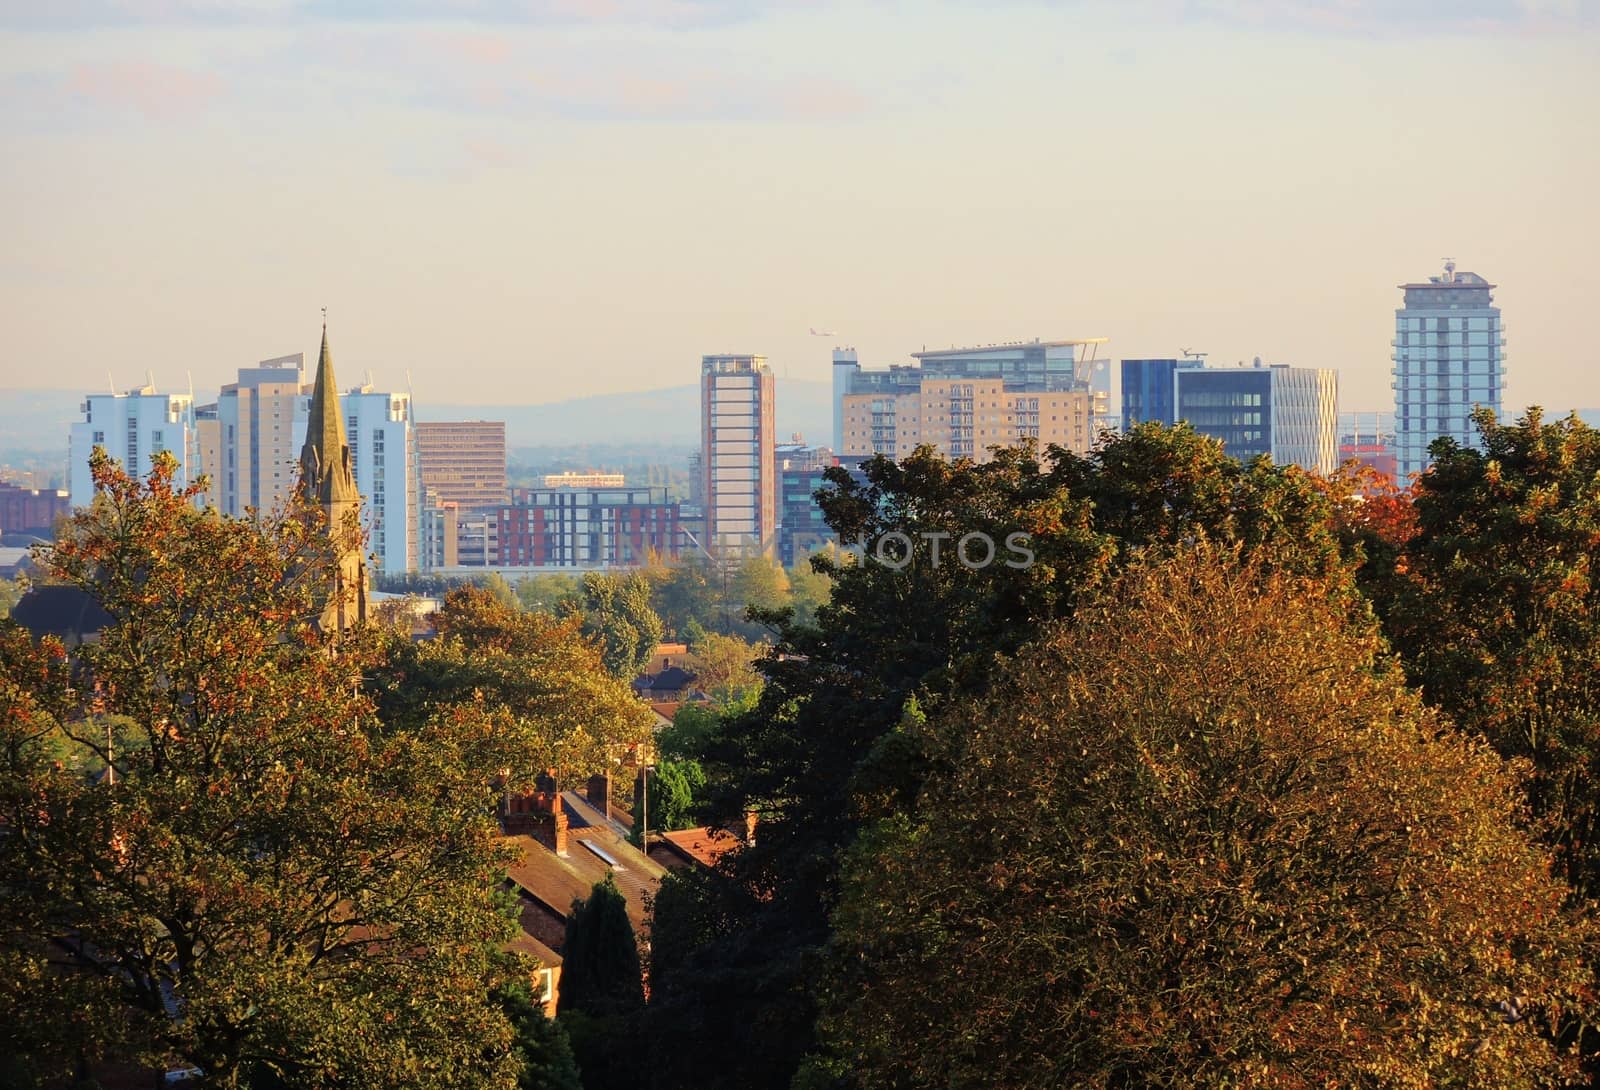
{"x":759,"y":584}
{"x":541,"y":1043}
{"x":11,"y":592}
{"x":495,"y":584}
{"x":549,"y":593}
{"x":725,"y":667}
{"x":826,"y":749}
{"x":531,"y":678}
{"x":1234,"y":850}
{"x":688,"y":592}
{"x":616,"y":611}
{"x":674,"y":793}
{"x":274,"y":882}
{"x":602,"y":989}
{"x":809,"y":590}
{"x":1493,"y":610}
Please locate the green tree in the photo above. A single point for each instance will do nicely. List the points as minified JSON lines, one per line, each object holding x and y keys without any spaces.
{"x":809,"y":590}
{"x":275,"y":882}
{"x":602,"y":989}
{"x":688,"y":593}
{"x":541,"y":1044}
{"x":675,"y":788}
{"x":759,"y":584}
{"x":616,"y":611}
{"x":826,"y":748}
{"x":549,"y":593}
{"x":1235,"y":850}
{"x":495,"y":584}
{"x":726,"y":667}
{"x":11,"y":592}
{"x":1494,"y":609}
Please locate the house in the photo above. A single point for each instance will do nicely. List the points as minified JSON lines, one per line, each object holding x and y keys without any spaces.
{"x":67,"y":613}
{"x":565,"y":846}
{"x":703,"y":846}
{"x":669,"y":683}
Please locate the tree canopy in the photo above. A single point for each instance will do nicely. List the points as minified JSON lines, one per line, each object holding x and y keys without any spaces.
{"x":272,"y":879}
{"x":1203,"y":835}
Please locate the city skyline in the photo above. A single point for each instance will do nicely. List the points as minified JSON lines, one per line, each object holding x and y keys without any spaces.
{"x":479,"y":214}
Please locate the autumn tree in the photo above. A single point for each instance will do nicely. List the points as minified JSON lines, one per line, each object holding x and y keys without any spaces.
{"x":827,"y":749}
{"x":1204,"y":836}
{"x":532,"y":676}
{"x":267,"y":881}
{"x":1496,"y":613}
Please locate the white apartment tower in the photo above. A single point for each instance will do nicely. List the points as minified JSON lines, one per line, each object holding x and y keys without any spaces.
{"x":1448,"y":359}
{"x":738,"y":482}
{"x":131,"y":427}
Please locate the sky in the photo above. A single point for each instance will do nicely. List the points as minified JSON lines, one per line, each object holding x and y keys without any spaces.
{"x":524,"y":201}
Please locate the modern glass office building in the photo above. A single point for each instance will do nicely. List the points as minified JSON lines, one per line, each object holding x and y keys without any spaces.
{"x":1288,"y":413}
{"x":1448,"y":359}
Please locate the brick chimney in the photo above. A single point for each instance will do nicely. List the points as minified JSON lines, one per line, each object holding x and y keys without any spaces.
{"x":599,"y":793}
{"x":537,"y":814}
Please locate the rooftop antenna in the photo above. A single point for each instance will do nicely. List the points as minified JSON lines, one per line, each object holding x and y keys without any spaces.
{"x":1188,"y":355}
{"x":111,"y":383}
{"x":1449,"y":270}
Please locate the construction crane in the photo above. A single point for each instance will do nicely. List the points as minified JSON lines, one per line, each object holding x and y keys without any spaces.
{"x":1188,"y":355}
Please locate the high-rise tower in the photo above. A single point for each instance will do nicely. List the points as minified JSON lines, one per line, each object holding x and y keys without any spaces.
{"x":328,"y":482}
{"x":739,"y":484}
{"x":1448,"y":360}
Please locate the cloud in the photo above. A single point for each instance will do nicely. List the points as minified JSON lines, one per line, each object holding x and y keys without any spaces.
{"x":157,"y":91}
{"x":1397,"y":18}
{"x":675,"y":14}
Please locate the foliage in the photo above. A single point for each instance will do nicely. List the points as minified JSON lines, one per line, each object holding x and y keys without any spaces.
{"x":549,"y":593}
{"x":602,"y":989}
{"x":826,"y":750}
{"x":309,"y":888}
{"x":759,"y":584}
{"x":496,"y":586}
{"x":1495,"y":613}
{"x":809,"y":590}
{"x":675,"y":787}
{"x":726,"y":667}
{"x":11,"y":592}
{"x":688,"y":593}
{"x":540,"y":1042}
{"x":616,"y":611}
{"x":533,"y":679}
{"x":691,"y":732}
{"x":1235,"y":850}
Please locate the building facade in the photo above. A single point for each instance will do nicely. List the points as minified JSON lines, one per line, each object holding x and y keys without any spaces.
{"x":1367,"y":438}
{"x":383,"y":456}
{"x":569,"y":479}
{"x":586,"y":528}
{"x":31,"y":510}
{"x":963,"y":401}
{"x":801,"y":528}
{"x":1289,"y":414}
{"x":260,"y":430}
{"x":1449,"y":359}
{"x":132,"y":427}
{"x":739,"y":485}
{"x":464,"y":461}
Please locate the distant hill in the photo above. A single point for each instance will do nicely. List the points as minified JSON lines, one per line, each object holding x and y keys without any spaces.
{"x":37,"y":420}
{"x":671,"y":416}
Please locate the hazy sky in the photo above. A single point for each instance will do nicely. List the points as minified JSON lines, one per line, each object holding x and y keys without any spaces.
{"x":527,"y":200}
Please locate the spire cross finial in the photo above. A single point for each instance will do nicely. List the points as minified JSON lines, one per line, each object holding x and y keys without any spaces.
{"x":324,"y":319}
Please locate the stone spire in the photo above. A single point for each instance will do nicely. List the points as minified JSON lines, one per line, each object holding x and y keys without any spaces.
{"x":328,"y":482}
{"x":325,"y":476}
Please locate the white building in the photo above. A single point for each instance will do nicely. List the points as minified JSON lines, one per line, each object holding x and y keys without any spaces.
{"x":739,"y":484}
{"x":383,"y":449}
{"x":131,"y":427}
{"x":1305,"y":417}
{"x":1448,"y":359}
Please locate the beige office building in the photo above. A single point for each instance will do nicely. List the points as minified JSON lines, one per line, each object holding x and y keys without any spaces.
{"x":464,"y":461}
{"x":738,"y":481}
{"x":261,"y":426}
{"x":964,"y":418}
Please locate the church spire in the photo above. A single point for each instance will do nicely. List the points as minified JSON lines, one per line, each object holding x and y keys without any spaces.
{"x":325,"y":475}
{"x":328,"y":482}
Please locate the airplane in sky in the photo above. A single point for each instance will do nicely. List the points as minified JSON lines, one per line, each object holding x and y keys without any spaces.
{"x":815,"y":332}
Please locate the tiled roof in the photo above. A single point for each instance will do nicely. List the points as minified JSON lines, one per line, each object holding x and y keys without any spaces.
{"x":58,"y":610}
{"x":559,"y":880}
{"x":704,"y":845}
